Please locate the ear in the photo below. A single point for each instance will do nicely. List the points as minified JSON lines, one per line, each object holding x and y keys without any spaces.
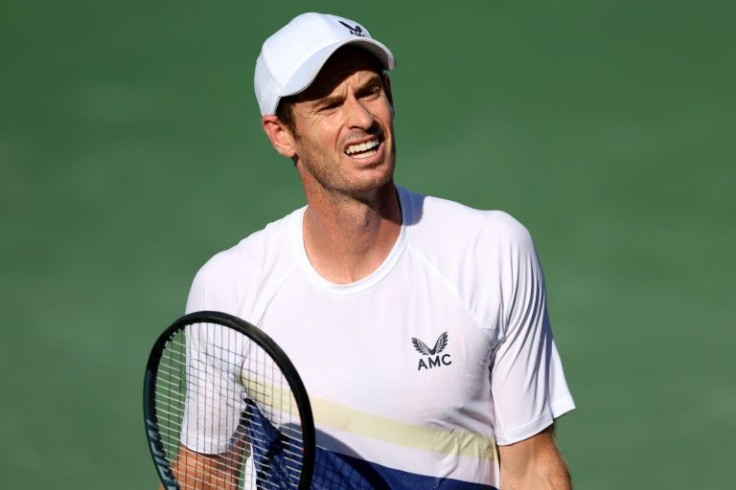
{"x":280,"y":136}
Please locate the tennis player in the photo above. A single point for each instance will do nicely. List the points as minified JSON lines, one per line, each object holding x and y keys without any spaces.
{"x":418,"y":325}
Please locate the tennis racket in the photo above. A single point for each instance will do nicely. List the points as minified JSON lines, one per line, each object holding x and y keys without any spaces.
{"x":225,"y":408}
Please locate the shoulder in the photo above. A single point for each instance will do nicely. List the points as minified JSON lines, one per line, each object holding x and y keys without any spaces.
{"x":478,"y":253}
{"x":257,"y":249}
{"x":241,"y":271}
{"x":437,"y":220}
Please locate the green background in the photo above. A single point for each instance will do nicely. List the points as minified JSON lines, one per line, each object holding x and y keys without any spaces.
{"x":131,"y":151}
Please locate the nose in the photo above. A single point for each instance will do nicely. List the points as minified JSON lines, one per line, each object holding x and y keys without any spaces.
{"x":358,"y":115}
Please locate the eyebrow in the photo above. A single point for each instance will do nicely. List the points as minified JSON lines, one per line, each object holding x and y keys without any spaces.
{"x":370,"y":84}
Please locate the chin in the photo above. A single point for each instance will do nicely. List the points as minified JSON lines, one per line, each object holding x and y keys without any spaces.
{"x":371,"y":186}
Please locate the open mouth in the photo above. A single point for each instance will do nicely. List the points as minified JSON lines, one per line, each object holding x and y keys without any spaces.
{"x":363,"y":150}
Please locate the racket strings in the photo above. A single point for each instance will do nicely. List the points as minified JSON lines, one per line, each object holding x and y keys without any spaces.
{"x":227,"y":416}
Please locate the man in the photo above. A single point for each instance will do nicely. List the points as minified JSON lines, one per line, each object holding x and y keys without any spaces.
{"x":419,"y":326}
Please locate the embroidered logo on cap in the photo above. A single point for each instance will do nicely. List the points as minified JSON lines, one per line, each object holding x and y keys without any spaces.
{"x":355,"y":31}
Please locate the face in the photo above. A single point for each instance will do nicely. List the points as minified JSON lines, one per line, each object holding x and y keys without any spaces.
{"x":343,"y":140}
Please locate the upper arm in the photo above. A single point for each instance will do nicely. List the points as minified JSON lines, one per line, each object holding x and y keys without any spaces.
{"x":535,"y":463}
{"x":528,"y":382}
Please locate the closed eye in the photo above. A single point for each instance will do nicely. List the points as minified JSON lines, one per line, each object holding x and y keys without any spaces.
{"x":328,"y":105}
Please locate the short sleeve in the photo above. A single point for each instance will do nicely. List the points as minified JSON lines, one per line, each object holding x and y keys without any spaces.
{"x":214,"y":399}
{"x":528,"y":383}
{"x":214,"y":394}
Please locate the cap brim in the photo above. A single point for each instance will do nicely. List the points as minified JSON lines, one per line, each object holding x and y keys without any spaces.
{"x":308,"y":71}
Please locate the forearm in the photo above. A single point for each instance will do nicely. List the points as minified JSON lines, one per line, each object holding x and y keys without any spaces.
{"x":194,"y":471}
{"x":534,"y":464}
{"x":552,"y":475}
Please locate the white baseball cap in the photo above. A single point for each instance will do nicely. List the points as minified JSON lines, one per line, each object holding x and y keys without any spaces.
{"x":293,"y":56}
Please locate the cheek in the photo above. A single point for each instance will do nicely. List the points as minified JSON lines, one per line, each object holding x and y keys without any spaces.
{"x":323,"y":134}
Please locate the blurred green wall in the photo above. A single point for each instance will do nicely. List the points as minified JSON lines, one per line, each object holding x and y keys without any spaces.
{"x":131,"y":151}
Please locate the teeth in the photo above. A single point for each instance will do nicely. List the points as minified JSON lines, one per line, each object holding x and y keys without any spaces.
{"x":362,"y":147}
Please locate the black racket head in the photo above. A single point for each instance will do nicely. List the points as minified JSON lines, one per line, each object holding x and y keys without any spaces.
{"x":218,"y":386}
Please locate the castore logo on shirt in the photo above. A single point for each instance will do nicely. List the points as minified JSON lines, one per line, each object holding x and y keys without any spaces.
{"x":434,"y":359}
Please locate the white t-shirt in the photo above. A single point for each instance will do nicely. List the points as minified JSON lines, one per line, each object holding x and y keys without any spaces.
{"x":416,"y":372}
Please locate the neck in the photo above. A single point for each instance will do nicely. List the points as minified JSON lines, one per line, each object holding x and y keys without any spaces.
{"x":346,"y":239}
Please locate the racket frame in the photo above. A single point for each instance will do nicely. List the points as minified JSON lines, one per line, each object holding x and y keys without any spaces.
{"x":155,"y":444}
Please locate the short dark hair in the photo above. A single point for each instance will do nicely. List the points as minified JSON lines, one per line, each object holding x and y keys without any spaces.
{"x":285,"y":113}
